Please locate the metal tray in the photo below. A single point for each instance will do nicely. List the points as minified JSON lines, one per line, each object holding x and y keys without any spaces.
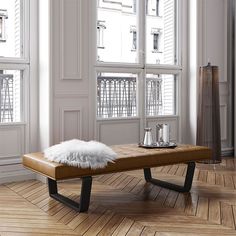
{"x":156,"y":145}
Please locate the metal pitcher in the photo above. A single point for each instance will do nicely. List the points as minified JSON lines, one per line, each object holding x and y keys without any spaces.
{"x":147,"y":137}
{"x":163,"y":134}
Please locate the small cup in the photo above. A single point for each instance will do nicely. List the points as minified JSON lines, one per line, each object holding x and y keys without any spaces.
{"x":163,"y":134}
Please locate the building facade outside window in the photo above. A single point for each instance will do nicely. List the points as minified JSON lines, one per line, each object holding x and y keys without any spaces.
{"x":124,"y":74}
{"x":13,"y":60}
{"x":154,"y":7}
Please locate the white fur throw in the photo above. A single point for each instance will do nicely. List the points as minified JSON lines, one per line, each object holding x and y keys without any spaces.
{"x":81,"y":154}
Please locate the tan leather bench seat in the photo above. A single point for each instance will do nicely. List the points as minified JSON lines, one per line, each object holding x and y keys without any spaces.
{"x":130,"y":157}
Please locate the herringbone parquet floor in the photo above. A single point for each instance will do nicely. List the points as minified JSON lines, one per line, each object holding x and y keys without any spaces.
{"x":123,"y":204}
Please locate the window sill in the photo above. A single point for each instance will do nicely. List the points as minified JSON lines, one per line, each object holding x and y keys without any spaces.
{"x":156,"y":51}
{"x":13,"y":124}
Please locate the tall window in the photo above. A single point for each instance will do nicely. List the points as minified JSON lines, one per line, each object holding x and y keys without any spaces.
{"x":134,"y":37}
{"x":13,"y":60}
{"x":100,"y":34}
{"x":132,"y":83}
{"x":156,"y":41}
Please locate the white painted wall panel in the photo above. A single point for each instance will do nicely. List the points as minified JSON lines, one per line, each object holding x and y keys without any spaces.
{"x":71,"y":124}
{"x":12,"y":141}
{"x":70,"y":13}
{"x":215,"y":45}
{"x":118,"y":132}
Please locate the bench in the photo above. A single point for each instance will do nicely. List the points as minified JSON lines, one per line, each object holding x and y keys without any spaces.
{"x":130,"y":157}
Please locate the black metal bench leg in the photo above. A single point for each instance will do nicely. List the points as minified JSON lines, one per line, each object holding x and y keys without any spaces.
{"x":84,"y":196}
{"x":187,"y":183}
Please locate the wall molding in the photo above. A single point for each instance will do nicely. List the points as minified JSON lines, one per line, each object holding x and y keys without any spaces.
{"x":78,"y":75}
{"x":66,"y":94}
{"x":223,"y":109}
{"x":18,"y":147}
{"x":16,"y":176}
{"x":63,"y":110}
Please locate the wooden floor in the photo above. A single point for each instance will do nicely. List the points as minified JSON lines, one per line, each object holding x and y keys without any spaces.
{"x":123,"y":204}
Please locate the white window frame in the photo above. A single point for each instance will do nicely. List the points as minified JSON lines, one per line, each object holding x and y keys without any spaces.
{"x":24,"y":59}
{"x":22,"y":64}
{"x":141,"y":67}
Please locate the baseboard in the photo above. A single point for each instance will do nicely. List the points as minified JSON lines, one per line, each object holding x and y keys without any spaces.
{"x":227,"y":152}
{"x":41,"y":178}
{"x":16,"y":176}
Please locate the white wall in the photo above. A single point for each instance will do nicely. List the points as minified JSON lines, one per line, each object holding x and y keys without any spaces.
{"x":208,"y":40}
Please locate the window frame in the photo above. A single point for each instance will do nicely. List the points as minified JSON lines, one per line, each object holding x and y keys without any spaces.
{"x":25,"y":24}
{"x":22,"y":64}
{"x":141,"y":66}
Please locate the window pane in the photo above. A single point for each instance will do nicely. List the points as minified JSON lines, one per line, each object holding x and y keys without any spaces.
{"x":117,"y":31}
{"x":161,"y":31}
{"x":116,"y":95}
{"x":160,"y":94}
{"x":10,"y":28}
{"x":10,"y":96}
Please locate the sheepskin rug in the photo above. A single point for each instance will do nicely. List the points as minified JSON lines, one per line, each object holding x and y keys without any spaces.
{"x":81,"y":154}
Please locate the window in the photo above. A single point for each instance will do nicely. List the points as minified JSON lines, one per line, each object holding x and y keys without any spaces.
{"x":116,"y":95}
{"x":12,"y":74}
{"x":10,"y":96}
{"x":156,"y":41}
{"x":3,"y":17}
{"x":11,"y":22}
{"x":160,"y":94}
{"x":153,"y":7}
{"x":134,"y":45}
{"x":134,"y":38}
{"x":100,"y":34}
{"x":118,"y":16}
{"x":133,"y":83}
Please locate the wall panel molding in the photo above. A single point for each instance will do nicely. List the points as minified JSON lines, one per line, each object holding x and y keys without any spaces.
{"x":65,"y":94}
{"x":70,"y":40}
{"x":223,"y":122}
{"x":118,"y":131}
{"x":12,"y":143}
{"x":70,"y":123}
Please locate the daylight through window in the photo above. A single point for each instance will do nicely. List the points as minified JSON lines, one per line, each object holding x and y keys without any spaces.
{"x":124,"y":48}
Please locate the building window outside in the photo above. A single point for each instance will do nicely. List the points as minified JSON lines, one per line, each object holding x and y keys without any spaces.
{"x":116,"y":91}
{"x":133,"y":31}
{"x":156,"y":41}
{"x":134,"y":6}
{"x":3,"y":17}
{"x":100,"y":34}
{"x":134,"y":46}
{"x":153,"y":7}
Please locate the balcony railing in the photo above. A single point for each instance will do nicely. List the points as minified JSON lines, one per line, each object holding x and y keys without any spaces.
{"x":6,"y":98}
{"x":117,"y":97}
{"x":154,"y":105}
